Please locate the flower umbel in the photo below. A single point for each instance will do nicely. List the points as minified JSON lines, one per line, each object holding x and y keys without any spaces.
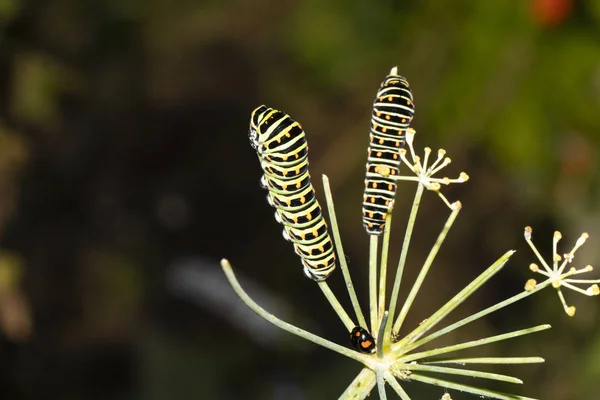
{"x":556,"y":274}
{"x":424,"y":173}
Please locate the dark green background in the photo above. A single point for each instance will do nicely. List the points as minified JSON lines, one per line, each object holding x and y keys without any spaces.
{"x":123,"y":148}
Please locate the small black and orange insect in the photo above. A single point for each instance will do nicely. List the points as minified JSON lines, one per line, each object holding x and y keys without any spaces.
{"x":362,"y":340}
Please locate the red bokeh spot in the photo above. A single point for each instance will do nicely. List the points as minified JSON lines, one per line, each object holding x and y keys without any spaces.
{"x":551,"y":13}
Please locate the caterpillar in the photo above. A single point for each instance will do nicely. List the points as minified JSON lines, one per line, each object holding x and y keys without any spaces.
{"x":393,"y":110}
{"x":280,"y":144}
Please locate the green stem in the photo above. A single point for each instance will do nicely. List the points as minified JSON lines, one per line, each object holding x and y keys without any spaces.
{"x":335,"y":304}
{"x":489,"y":360}
{"x":373,"y":283}
{"x":340,"y":253}
{"x":453,"y":303}
{"x":400,"y":270}
{"x":463,"y":372}
{"x":475,"y":316}
{"x":384,"y":261}
{"x":381,"y":385}
{"x":425,"y":269}
{"x":474,"y":343}
{"x":286,"y":326}
{"x":361,"y":386}
{"x":396,"y":386}
{"x":483,"y":393}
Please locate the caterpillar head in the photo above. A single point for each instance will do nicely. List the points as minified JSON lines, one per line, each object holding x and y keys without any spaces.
{"x":255,"y":120}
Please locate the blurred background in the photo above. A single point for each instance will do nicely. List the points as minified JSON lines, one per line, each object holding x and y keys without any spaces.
{"x":126,"y":175}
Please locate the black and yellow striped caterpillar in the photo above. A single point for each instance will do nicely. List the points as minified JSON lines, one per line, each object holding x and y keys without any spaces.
{"x":280,"y":144}
{"x":393,"y":110}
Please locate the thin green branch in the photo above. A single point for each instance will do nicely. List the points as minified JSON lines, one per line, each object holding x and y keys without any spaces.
{"x":384,"y":262}
{"x":286,"y":326}
{"x":463,"y":372}
{"x":453,"y":303}
{"x":474,"y":343}
{"x":340,"y":253}
{"x":381,"y":385}
{"x":425,"y":269}
{"x":335,"y":304}
{"x":380,"y":348}
{"x":373,"y":283}
{"x":475,"y":317}
{"x":361,"y":386}
{"x":467,"y":388}
{"x":489,"y":360}
{"x":396,"y":386}
{"x":400,"y":270}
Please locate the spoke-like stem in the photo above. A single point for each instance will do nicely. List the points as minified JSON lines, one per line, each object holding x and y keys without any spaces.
{"x":425,"y":269}
{"x":381,"y":385}
{"x":384,"y":261}
{"x":474,"y":343}
{"x":475,"y":316}
{"x":463,"y":372}
{"x":373,"y":283}
{"x":407,"y":236}
{"x":380,"y":343}
{"x":340,"y":253}
{"x":489,"y":360}
{"x":484,"y":393}
{"x":286,"y":326}
{"x":439,"y":315}
{"x":361,"y":386}
{"x":396,"y":386}
{"x":335,"y":304}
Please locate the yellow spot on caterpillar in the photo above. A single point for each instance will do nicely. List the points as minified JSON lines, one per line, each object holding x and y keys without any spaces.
{"x":381,"y":141}
{"x":389,"y":98}
{"x":387,"y":117}
{"x":382,"y":170}
{"x":390,"y":187}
